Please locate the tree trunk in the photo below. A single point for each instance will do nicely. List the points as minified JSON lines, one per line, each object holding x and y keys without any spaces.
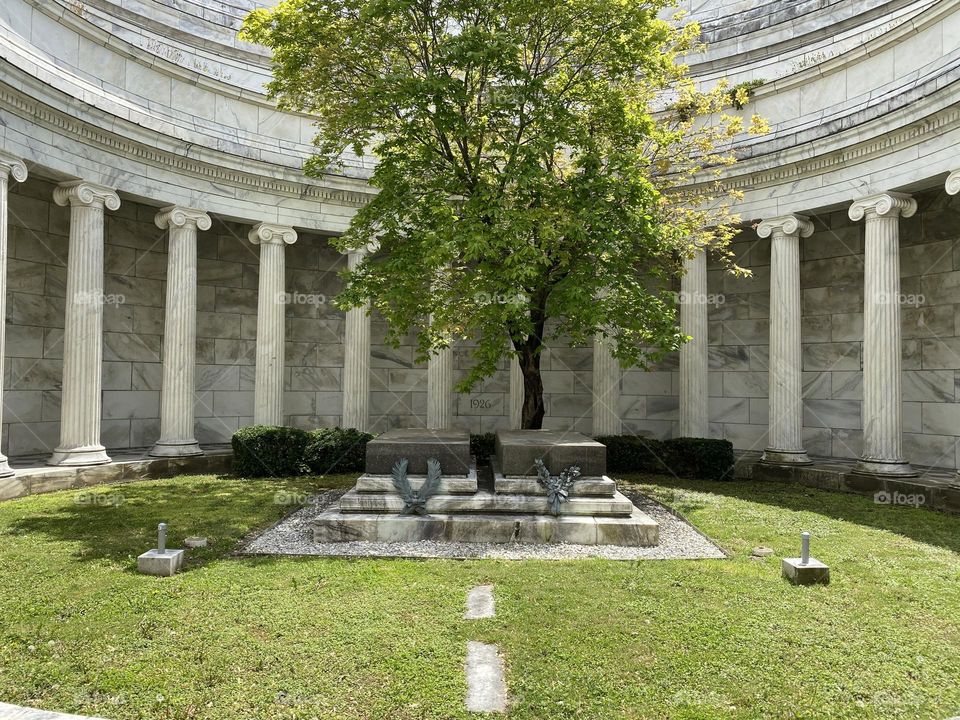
{"x":533,"y":408}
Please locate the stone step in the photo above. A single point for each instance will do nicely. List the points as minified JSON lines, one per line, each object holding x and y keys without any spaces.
{"x":585,"y":487}
{"x":487,"y":502}
{"x":455,"y":485}
{"x":636,"y":530}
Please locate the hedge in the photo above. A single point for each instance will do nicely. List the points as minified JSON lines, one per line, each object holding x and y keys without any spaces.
{"x":701,"y":458}
{"x":337,"y":450}
{"x":269,"y":451}
{"x":482,"y":446}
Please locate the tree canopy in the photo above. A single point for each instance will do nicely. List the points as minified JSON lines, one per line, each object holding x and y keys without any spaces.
{"x":535,"y":163}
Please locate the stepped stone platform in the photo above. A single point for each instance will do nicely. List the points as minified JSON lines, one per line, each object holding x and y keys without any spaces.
{"x":511,"y":508}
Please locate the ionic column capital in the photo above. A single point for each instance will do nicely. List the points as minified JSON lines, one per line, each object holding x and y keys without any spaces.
{"x":177,"y":216}
{"x":13,"y":167}
{"x":270,"y":234}
{"x":953,"y":183}
{"x":791,"y":225}
{"x":891,"y":204}
{"x":82,"y":193}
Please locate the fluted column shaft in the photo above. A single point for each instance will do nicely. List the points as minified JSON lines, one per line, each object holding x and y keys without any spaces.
{"x":953,"y":188}
{"x":694,"y":418}
{"x":882,"y":398}
{"x":179,"y":332}
{"x":9,"y":167}
{"x":83,"y":324}
{"x":440,"y":390}
{"x":785,"y":435}
{"x":606,"y":387}
{"x":356,"y":363}
{"x":271,"y":306}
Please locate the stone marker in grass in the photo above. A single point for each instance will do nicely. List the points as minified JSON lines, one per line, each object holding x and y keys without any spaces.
{"x":160,"y":561}
{"x":805,"y":570}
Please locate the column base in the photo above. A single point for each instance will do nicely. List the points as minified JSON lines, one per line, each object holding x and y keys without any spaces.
{"x":772,"y":456}
{"x":884,"y":468}
{"x":86,"y":455}
{"x":5,"y":469}
{"x":185,"y":448}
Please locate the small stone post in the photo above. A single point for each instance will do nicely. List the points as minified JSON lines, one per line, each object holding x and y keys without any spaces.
{"x":805,"y":570}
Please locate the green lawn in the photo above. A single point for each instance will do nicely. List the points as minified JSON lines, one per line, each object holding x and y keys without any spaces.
{"x":233,"y":637}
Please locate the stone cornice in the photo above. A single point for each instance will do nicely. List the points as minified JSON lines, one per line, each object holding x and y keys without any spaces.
{"x":794,"y":161}
{"x":176,"y":216}
{"x":953,"y":183}
{"x":12,"y":166}
{"x":83,"y":193}
{"x":270,"y":234}
{"x":790,"y":225}
{"x":61,"y":123}
{"x":888,"y":204}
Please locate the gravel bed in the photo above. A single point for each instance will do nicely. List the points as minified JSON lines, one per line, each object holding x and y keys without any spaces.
{"x":291,"y":536}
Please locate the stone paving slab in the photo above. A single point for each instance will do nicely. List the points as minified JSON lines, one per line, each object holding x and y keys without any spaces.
{"x":15,"y":712}
{"x":486,"y":687}
{"x":480,"y":603}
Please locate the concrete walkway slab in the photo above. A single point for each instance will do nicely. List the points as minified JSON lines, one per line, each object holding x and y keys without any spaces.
{"x":486,"y":687}
{"x":480,"y":603}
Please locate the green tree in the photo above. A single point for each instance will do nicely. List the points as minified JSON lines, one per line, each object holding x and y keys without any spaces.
{"x":543,"y":166}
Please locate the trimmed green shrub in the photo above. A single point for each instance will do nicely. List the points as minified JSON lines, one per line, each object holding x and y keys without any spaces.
{"x":337,"y":450}
{"x":701,"y":458}
{"x":630,"y":453}
{"x":482,"y":446}
{"x":269,"y":451}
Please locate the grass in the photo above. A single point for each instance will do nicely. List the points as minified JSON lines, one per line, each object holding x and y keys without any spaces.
{"x":236,"y":637}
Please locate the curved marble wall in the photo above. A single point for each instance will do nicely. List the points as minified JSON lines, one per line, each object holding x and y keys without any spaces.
{"x":161,"y":100}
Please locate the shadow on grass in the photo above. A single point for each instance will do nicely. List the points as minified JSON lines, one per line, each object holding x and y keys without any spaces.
{"x":921,"y":525}
{"x":119,"y":522}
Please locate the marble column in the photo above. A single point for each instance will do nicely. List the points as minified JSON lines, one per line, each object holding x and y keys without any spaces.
{"x":785,"y":434}
{"x":606,"y":387}
{"x":356,"y":362}
{"x":440,"y":390}
{"x":179,"y":332}
{"x":953,"y":188}
{"x":882,"y":399}
{"x":271,"y":306}
{"x":80,"y":404}
{"x":9,"y":167}
{"x":694,"y":417}
{"x":516,"y":394}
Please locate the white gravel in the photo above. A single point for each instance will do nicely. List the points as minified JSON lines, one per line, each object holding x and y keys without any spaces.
{"x":292,"y":536}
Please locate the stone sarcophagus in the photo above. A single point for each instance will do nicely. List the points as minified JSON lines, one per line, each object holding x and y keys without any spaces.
{"x":505,"y":502}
